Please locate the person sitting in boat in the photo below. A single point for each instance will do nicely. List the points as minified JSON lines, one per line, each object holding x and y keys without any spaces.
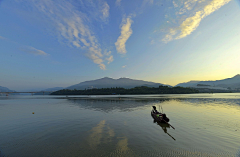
{"x":154,"y":109}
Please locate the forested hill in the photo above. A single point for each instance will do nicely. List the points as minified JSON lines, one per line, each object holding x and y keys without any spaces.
{"x":107,"y":82}
{"x":123,"y":91}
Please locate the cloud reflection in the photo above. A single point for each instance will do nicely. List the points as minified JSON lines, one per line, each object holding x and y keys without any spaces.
{"x":99,"y":135}
{"x":96,"y":135}
{"x":122,"y":145}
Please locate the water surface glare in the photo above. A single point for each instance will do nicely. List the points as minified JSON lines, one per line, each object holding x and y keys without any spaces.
{"x":206,"y":125}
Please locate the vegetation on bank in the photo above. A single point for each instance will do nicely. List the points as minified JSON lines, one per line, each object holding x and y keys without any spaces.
{"x":123,"y":91}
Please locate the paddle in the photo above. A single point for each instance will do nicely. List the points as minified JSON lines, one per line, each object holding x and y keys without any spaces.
{"x":171,"y":136}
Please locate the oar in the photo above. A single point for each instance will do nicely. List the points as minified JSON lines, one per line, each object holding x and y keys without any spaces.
{"x":171,"y":136}
{"x":168,"y":123}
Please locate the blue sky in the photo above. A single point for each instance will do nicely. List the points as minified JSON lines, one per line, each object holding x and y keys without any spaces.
{"x":50,"y":43}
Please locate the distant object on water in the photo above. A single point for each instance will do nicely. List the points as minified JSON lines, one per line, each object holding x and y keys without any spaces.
{"x":160,"y":117}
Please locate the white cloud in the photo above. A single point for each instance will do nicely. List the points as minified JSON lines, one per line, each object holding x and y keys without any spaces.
{"x":34,"y":51}
{"x":73,"y":26}
{"x":126,"y":32}
{"x":124,"y":66}
{"x":105,"y":11}
{"x":107,"y":53}
{"x":175,"y":4}
{"x":190,"y":24}
{"x":97,"y":60}
{"x":109,"y":59}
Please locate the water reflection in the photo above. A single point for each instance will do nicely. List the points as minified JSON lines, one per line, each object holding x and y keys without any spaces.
{"x":108,"y":105}
{"x":238,"y":154}
{"x":126,"y":104}
{"x":122,"y":145}
{"x":164,"y":127}
{"x":102,"y":134}
{"x":96,"y":135}
{"x":75,"y":127}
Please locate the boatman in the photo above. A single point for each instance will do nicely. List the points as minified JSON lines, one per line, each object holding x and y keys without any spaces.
{"x":154,"y":109}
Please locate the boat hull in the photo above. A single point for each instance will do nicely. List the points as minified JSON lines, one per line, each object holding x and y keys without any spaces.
{"x":159,"y":118}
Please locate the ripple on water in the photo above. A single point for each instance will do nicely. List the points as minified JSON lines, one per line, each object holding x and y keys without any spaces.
{"x":119,"y":128}
{"x":238,"y":154}
{"x":183,"y":153}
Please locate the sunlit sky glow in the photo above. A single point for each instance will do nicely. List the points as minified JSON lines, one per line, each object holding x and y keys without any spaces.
{"x":50,"y":43}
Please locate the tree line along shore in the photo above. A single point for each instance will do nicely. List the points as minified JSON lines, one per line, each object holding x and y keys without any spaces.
{"x":124,"y":91}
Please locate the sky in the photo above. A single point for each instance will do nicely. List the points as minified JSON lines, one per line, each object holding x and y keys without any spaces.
{"x":52,"y":43}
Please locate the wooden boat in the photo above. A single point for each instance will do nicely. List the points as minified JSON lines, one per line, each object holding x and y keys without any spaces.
{"x":159,"y":117}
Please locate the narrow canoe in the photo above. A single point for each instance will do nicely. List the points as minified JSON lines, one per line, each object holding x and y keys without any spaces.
{"x":159,"y":117}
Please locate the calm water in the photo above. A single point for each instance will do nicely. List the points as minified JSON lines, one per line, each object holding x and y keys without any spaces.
{"x":206,"y":125}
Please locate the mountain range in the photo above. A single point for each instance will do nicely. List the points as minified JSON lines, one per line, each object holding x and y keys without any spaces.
{"x":5,"y":89}
{"x":107,"y":82}
{"x":225,"y":84}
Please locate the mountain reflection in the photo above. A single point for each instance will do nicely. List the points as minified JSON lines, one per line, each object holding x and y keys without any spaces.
{"x":130,"y":103}
{"x":107,"y":105}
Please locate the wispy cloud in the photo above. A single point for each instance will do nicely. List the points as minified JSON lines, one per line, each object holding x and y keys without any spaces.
{"x":34,"y":51}
{"x":197,"y":13}
{"x":2,"y":38}
{"x":73,"y":26}
{"x":148,"y":2}
{"x":107,"y":53}
{"x":27,"y":49}
{"x":96,"y":59}
{"x":126,"y":32}
{"x":105,"y":11}
{"x":109,"y":57}
{"x":124,"y":66}
{"x":118,"y":2}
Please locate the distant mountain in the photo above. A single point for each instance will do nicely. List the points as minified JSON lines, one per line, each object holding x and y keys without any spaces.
{"x":53,"y":89}
{"x":5,"y":89}
{"x":188,"y":84}
{"x":225,"y":84}
{"x":48,"y":91}
{"x":107,"y":82}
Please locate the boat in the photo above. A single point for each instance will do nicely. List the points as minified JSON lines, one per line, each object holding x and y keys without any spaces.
{"x":159,"y":117}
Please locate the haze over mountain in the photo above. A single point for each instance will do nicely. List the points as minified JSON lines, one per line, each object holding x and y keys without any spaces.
{"x":53,"y":89}
{"x":48,"y":91}
{"x":5,"y":89}
{"x":229,"y":83}
{"x":107,"y":82}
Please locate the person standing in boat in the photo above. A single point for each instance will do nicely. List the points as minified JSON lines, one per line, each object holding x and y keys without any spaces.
{"x":154,"y":109}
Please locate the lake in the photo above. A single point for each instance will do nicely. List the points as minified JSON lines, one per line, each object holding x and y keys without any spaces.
{"x":205,"y":125}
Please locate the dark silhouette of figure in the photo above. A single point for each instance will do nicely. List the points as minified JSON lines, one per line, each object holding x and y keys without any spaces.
{"x":154,"y":109}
